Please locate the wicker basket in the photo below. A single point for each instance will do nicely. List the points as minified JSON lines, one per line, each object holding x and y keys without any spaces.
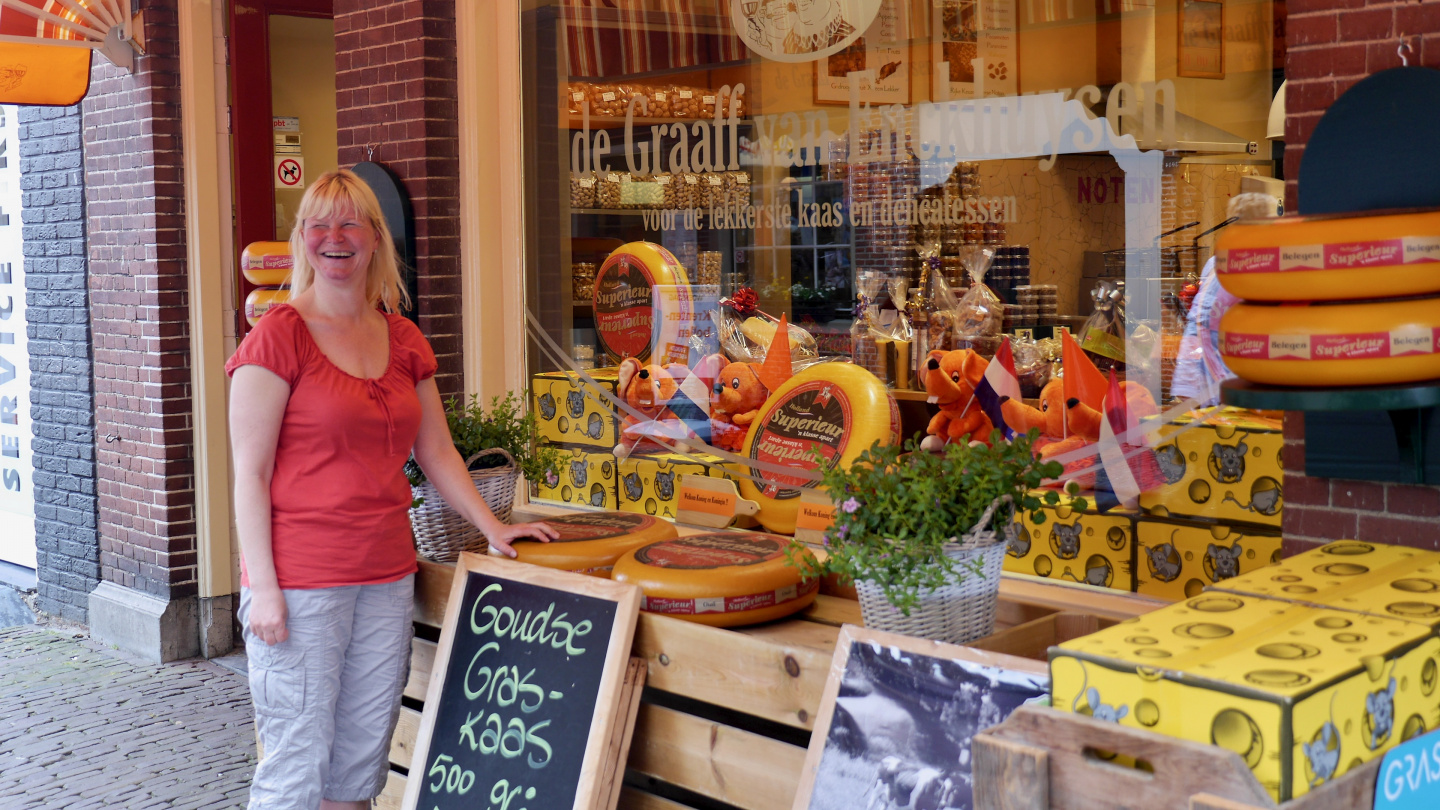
{"x":441,"y":533}
{"x":956,"y":613}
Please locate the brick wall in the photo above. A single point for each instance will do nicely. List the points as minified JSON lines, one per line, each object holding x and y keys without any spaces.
{"x":134,"y":198}
{"x":395,"y":84}
{"x":58,"y":316}
{"x":1331,"y":45}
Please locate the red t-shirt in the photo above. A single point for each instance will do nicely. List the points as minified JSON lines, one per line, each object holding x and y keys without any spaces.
{"x":339,"y":500}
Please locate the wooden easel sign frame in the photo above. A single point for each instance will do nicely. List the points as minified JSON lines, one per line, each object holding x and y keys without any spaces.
{"x":527,"y":691}
{"x":897,"y":716}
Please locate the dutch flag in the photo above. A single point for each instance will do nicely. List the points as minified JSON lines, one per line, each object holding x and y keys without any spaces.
{"x":999,"y":381}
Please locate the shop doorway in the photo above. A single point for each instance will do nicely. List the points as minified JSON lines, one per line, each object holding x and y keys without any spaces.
{"x":282,"y":58}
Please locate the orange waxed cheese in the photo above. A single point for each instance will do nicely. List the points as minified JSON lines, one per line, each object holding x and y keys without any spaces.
{"x":267,"y":264}
{"x":259,"y":301}
{"x":591,"y":542}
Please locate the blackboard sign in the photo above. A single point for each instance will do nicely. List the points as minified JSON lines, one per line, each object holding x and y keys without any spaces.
{"x":522,"y":707}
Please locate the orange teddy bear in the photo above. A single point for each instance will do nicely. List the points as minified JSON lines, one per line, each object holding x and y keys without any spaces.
{"x":950,"y":379}
{"x":736,"y":401}
{"x":651,"y":390}
{"x":1070,"y":424}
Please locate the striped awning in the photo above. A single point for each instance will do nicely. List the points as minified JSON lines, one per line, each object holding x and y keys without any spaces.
{"x":625,"y":37}
{"x":45,"y":47}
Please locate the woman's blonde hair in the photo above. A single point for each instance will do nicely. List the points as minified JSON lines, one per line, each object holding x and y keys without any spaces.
{"x":341,"y":190}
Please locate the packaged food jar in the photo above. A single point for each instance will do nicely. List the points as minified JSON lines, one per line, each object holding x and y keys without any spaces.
{"x":582,"y":189}
{"x":582,"y":281}
{"x":607,"y":190}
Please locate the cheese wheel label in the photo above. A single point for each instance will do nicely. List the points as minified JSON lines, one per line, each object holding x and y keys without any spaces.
{"x":708,"y":551}
{"x":728,"y":604}
{"x":1349,"y":346}
{"x":1339,"y":256}
{"x":624,"y":314}
{"x":579,"y":528}
{"x":272,"y":261}
{"x":814,"y":416}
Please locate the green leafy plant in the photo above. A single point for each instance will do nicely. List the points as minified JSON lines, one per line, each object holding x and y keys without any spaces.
{"x":506,"y":424}
{"x":898,"y":508}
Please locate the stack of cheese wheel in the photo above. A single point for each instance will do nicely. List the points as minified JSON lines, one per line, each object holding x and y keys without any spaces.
{"x":637,"y":279}
{"x":839,"y":409}
{"x":720,"y":578}
{"x":1333,"y":301}
{"x":590,"y":543}
{"x":266,"y":265}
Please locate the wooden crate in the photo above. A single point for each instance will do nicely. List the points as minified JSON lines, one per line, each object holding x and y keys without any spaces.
{"x":1044,"y":759}
{"x":727,"y":713}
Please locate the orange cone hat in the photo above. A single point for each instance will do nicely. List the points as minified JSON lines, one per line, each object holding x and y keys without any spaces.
{"x":777,"y":368}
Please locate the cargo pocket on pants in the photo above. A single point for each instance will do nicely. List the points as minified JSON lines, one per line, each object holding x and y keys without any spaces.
{"x":277,"y":682}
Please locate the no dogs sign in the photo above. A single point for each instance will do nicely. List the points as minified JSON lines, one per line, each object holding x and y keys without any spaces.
{"x":289,"y":171}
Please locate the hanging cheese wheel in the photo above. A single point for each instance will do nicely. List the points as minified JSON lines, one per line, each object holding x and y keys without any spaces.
{"x":625,"y":300}
{"x":590,"y":543}
{"x":1334,"y":344}
{"x":721,"y":578}
{"x":839,"y":408}
{"x":1331,"y":258}
{"x":267,"y":264}
{"x":259,"y":301}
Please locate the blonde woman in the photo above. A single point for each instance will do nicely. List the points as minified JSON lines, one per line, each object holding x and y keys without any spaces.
{"x":330,"y":396}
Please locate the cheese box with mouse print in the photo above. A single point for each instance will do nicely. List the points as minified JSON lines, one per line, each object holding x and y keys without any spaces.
{"x":1302,"y":694}
{"x":1062,"y":542}
{"x":568,"y":410}
{"x":1177,"y":559}
{"x":649,"y":483}
{"x":584,"y":477}
{"x":1227,"y":468}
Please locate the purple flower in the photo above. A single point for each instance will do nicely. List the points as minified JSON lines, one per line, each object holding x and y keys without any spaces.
{"x":850,"y":505}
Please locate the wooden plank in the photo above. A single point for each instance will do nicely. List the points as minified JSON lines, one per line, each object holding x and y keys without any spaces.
{"x":422,"y":660}
{"x":1060,"y":596}
{"x":393,"y":796}
{"x":833,"y":610}
{"x":402,"y":742}
{"x":794,"y":633}
{"x":1009,"y":775}
{"x":632,"y":799}
{"x":1204,"y":801}
{"x":618,"y":750}
{"x":1033,"y":639}
{"x":432,"y":591}
{"x":1355,"y":789}
{"x":779,"y":682}
{"x":736,"y":767}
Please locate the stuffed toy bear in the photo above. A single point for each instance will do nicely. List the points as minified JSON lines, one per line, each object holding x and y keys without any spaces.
{"x":1060,"y":419}
{"x":950,"y":379}
{"x":665,"y":398}
{"x":738,"y":395}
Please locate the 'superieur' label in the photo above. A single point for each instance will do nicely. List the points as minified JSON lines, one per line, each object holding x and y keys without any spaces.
{"x":1349,"y":346}
{"x":814,"y":416}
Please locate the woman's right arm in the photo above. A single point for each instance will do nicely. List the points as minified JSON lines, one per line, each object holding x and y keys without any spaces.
{"x":257,"y":404}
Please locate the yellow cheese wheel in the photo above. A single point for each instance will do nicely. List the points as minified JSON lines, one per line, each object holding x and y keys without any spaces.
{"x":625,"y":300}
{"x":1330,"y":344}
{"x":267,"y":264}
{"x":838,"y":408}
{"x":1331,"y":258}
{"x":259,"y":301}
{"x":590,"y":543}
{"x":721,"y":578}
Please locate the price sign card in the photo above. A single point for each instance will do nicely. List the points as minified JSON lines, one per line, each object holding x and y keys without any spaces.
{"x":1409,"y":776}
{"x":523,"y":705}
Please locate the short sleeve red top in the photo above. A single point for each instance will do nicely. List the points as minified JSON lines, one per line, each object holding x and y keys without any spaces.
{"x":339,"y":499}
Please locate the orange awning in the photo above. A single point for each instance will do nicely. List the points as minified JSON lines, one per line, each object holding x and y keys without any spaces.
{"x":45,"y":47}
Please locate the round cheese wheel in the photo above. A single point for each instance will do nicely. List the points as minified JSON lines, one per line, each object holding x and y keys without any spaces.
{"x":838,"y":408}
{"x":1384,"y":342}
{"x":590,"y":543}
{"x":1331,"y":258}
{"x":259,"y":301}
{"x":267,"y":264}
{"x":626,"y":296}
{"x":721,"y":578}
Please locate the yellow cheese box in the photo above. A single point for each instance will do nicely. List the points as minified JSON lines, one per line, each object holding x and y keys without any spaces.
{"x":568,"y":410}
{"x":585,"y":477}
{"x":1062,"y":542}
{"x":1391,"y":581}
{"x":1177,"y":559}
{"x":650,"y":482}
{"x":1226,"y":469}
{"x":1302,"y":694}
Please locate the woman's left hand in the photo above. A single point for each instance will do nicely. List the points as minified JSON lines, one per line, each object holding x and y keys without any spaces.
{"x":501,"y":537}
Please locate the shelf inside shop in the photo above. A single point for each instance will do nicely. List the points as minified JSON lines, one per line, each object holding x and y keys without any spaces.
{"x":1370,"y":433}
{"x":576,"y":121}
{"x":618,"y":212}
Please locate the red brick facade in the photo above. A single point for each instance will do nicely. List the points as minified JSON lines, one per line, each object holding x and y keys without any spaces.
{"x":1331,"y":45}
{"x":395,"y":82}
{"x":136,"y":231}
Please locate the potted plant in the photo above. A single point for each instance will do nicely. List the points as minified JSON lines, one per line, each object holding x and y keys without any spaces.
{"x":922,"y":534}
{"x":497,"y":444}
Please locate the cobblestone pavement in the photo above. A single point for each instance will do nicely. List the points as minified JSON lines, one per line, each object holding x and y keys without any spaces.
{"x":83,"y":727}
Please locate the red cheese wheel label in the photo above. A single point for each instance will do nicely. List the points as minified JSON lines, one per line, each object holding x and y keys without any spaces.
{"x":1364,"y":254}
{"x":1338,"y":256}
{"x":598,"y":527}
{"x":728,"y":604}
{"x":1350,"y":346}
{"x":624,"y":313}
{"x":270,"y":261}
{"x":700,"y":552}
{"x":816,"y":415}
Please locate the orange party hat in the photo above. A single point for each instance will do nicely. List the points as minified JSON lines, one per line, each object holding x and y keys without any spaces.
{"x":777,"y":368}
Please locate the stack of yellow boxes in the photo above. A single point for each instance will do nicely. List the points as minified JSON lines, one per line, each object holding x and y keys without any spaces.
{"x":575,"y":418}
{"x":650,"y":482}
{"x":1066,"y":543}
{"x":1306,"y":670}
